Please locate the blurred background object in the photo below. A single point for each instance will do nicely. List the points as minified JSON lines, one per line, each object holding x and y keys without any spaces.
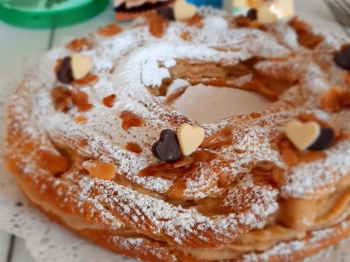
{"x":49,"y":13}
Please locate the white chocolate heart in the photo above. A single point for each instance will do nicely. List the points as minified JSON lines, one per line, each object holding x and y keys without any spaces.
{"x":285,"y":8}
{"x":183,"y":10}
{"x":265,"y":15}
{"x":189,"y":138}
{"x":302,"y":135}
{"x":80,"y":65}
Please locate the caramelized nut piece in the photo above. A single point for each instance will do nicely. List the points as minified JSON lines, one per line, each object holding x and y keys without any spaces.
{"x":130,"y":120}
{"x":157,"y":25}
{"x":109,"y":30}
{"x":86,"y":81}
{"x":133,"y":147}
{"x":109,"y":101}
{"x":289,"y":157}
{"x":100,"y":169}
{"x":77,"y":45}
{"x":62,"y":98}
{"x":81,"y":100}
{"x":255,"y":115}
{"x":196,"y":21}
{"x":185,"y":35}
{"x":267,"y":173}
{"x":183,"y":161}
{"x":331,"y":101}
{"x":80,"y":119}
{"x":306,"y":37}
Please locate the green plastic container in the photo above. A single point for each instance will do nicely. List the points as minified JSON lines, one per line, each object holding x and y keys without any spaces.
{"x":49,"y":13}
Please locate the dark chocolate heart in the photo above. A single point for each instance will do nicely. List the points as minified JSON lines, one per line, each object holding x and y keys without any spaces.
{"x":252,"y":14}
{"x":166,"y":12}
{"x":324,"y":140}
{"x":167,"y":147}
{"x":342,"y":58}
{"x":65,"y":74}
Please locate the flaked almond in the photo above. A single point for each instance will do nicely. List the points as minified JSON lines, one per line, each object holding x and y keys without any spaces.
{"x":331,"y":101}
{"x":133,"y":147}
{"x":306,"y":37}
{"x":77,"y":45}
{"x":100,"y":169}
{"x":109,"y":30}
{"x":87,"y":81}
{"x":183,"y":161}
{"x":185,"y":35}
{"x":255,"y":115}
{"x":195,"y":21}
{"x":81,"y":100}
{"x":62,"y":99}
{"x":157,"y":25}
{"x":109,"y":101}
{"x":289,"y":157}
{"x":268,"y":173}
{"x":80,"y":119}
{"x":129,"y":120}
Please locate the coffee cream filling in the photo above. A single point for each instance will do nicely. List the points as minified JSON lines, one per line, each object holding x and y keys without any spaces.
{"x":293,"y":219}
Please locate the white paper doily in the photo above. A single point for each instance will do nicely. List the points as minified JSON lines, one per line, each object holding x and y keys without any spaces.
{"x":46,"y":240}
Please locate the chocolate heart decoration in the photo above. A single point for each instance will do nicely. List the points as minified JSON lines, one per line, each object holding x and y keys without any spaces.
{"x":265,"y":16}
{"x":80,"y":65}
{"x":342,"y":58}
{"x":167,"y":147}
{"x":190,"y":137}
{"x":252,"y":14}
{"x":183,"y":10}
{"x":65,"y":74}
{"x":302,"y":135}
{"x":324,"y":140}
{"x":166,"y":12}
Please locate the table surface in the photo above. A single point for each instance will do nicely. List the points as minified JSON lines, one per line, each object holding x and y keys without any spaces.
{"x":17,"y":43}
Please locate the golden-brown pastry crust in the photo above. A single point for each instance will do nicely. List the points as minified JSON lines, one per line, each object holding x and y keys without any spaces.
{"x":246,"y":194}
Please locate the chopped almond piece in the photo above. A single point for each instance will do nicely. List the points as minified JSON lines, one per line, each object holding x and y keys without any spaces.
{"x":157,"y":25}
{"x":255,"y":115}
{"x":81,"y":100}
{"x":331,"y":101}
{"x":100,"y":169}
{"x":267,"y":173}
{"x":77,"y":45}
{"x":195,"y":21}
{"x":306,"y":37}
{"x":109,"y":101}
{"x":80,"y":119}
{"x":133,"y":147}
{"x":62,"y":98}
{"x":87,"y":81}
{"x":185,"y":35}
{"x":289,"y":157}
{"x":109,"y":30}
{"x":130,"y":120}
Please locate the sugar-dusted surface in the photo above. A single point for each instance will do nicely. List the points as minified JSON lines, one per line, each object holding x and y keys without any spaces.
{"x":136,"y":55}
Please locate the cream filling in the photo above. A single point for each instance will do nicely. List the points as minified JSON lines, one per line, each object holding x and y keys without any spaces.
{"x":300,"y":216}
